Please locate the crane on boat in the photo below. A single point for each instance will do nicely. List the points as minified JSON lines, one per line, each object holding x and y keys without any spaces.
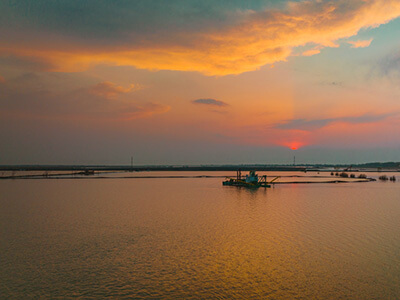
{"x":252,"y":180}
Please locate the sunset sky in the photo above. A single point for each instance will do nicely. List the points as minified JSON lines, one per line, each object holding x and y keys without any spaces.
{"x":199,"y":82}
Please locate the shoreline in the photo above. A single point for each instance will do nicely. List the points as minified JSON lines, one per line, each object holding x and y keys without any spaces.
{"x":205,"y":168}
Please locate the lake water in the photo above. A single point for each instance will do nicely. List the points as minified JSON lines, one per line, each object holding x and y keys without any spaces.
{"x":183,"y":238}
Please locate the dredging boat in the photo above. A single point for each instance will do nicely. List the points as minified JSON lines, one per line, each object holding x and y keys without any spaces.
{"x":252,"y":180}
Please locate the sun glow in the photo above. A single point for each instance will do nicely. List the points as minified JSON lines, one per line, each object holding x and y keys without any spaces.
{"x":294,"y":145}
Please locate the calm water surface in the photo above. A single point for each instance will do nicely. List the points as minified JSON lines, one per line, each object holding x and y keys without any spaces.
{"x":187,"y":238}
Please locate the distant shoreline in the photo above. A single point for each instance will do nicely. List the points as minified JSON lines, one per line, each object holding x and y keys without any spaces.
{"x":155,"y":168}
{"x":369,"y":167}
{"x":91,"y":169}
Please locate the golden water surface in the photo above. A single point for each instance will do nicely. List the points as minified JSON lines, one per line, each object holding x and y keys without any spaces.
{"x":183,"y":238}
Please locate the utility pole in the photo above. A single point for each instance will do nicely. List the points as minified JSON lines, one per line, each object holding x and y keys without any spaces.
{"x":294,"y":160}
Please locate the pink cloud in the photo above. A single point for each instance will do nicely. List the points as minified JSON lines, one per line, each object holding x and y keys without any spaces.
{"x":360,"y":44}
{"x":311,"y":52}
{"x":30,"y":99}
{"x":109,"y":90}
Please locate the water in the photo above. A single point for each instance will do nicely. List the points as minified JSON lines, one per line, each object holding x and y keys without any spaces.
{"x":176,"y":238}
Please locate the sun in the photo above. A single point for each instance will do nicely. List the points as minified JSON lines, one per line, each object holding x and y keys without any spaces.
{"x":294,"y":145}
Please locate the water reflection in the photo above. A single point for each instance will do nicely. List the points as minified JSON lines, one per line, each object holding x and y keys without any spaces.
{"x":193,"y":238}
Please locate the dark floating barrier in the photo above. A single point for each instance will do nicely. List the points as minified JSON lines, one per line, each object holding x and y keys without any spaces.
{"x":123,"y":175}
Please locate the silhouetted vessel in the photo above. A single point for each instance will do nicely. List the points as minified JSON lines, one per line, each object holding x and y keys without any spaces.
{"x":252,"y":180}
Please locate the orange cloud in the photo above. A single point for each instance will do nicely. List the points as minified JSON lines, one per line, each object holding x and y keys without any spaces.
{"x":2,"y":79}
{"x":257,"y":39}
{"x":311,"y":52}
{"x":360,"y":44}
{"x":109,"y":90}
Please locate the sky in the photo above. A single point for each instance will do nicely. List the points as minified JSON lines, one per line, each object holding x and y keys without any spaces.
{"x":189,"y":82}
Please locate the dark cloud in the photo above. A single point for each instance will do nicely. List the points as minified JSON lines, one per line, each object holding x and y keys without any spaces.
{"x":122,"y":19}
{"x":304,"y":124}
{"x":390,"y":65}
{"x":25,"y":62}
{"x":211,"y":102}
{"x":331,"y":83}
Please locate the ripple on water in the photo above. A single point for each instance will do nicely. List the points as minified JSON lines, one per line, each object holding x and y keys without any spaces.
{"x":192,"y":238}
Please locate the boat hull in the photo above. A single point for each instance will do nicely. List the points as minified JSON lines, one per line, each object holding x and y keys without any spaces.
{"x":245,"y":184}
